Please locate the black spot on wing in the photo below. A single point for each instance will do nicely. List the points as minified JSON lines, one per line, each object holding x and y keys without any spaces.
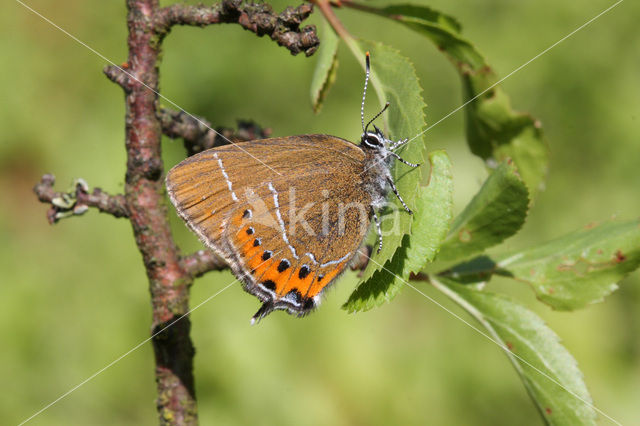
{"x":270,"y":285}
{"x":283,"y":265}
{"x":304,"y":272}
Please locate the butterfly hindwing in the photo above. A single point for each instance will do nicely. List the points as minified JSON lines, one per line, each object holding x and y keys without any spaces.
{"x":286,"y":213}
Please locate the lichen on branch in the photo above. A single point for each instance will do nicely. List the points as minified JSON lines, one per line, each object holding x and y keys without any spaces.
{"x":77,"y":200}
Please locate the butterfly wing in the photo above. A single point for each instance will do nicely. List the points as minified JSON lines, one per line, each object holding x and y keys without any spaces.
{"x":287,"y":214}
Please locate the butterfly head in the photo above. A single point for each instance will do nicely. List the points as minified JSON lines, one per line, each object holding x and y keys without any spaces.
{"x":376,"y":143}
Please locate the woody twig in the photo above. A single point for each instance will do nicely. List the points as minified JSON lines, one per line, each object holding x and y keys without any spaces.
{"x":198,"y":134}
{"x":78,"y":200}
{"x":283,"y":28}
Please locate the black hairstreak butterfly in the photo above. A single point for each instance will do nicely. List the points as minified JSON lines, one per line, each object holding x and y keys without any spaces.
{"x":287,"y":214}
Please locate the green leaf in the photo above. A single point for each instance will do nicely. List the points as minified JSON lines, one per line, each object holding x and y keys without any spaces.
{"x":548,"y":371}
{"x":494,"y":131}
{"x":382,"y":286}
{"x":434,"y":210}
{"x":580,"y":268}
{"x":430,"y":225}
{"x":422,"y":14}
{"x":496,"y":212}
{"x":441,"y":29}
{"x":477,"y":270}
{"x":326,"y":68}
{"x":395,"y":76}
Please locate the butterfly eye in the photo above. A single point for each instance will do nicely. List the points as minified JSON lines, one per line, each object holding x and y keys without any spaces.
{"x":371,"y":140}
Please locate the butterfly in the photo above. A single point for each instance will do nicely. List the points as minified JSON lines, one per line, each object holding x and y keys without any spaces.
{"x":288,"y":214}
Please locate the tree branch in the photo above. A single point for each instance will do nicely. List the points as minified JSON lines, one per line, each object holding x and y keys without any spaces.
{"x":201,"y":262}
{"x":77,"y":201}
{"x":119,"y":75}
{"x":197,"y":134}
{"x":145,"y":194}
{"x":256,"y":17}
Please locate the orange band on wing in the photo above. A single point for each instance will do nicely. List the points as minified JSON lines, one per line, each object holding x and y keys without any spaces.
{"x":323,"y":280}
{"x":250,"y":251}
{"x":245,"y":234}
{"x":259,"y":266}
{"x":279,"y":278}
{"x":295,"y":282}
{"x":237,"y":220}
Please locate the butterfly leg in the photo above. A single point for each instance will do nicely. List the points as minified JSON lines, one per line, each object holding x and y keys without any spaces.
{"x":398,"y":144}
{"x":395,"y":191}
{"x":402,"y":160}
{"x":378,"y":230}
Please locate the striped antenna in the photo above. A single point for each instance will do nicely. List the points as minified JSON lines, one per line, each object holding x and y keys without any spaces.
{"x":364,"y":94}
{"x":377,"y":115}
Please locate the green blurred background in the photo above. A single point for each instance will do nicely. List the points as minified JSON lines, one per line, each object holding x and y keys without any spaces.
{"x":74,"y":296}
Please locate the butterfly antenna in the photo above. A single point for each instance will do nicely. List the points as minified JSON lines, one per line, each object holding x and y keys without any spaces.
{"x":364,"y":94}
{"x":377,"y":115}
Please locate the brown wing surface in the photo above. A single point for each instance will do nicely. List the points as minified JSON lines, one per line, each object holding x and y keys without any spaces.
{"x":287,"y":213}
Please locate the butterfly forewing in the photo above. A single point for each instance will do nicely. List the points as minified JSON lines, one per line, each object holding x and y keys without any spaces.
{"x":286,"y":213}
